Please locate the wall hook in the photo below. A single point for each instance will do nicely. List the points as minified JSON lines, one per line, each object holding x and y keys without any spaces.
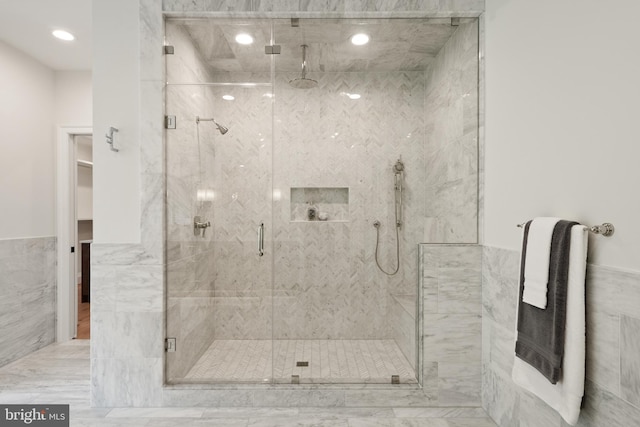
{"x":111,"y":138}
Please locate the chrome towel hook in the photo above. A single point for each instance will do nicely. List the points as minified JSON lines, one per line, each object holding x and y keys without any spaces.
{"x":111,"y":138}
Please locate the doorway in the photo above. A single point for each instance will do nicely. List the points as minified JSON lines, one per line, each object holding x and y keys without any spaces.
{"x":84,"y":231}
{"x":73,"y":175}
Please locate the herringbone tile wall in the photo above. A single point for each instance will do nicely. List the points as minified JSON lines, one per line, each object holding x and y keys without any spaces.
{"x":327,"y":285}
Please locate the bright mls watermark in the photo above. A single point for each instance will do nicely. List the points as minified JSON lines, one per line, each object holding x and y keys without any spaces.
{"x":34,"y":415}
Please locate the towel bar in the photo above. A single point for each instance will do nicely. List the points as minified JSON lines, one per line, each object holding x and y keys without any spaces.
{"x":606,"y":229}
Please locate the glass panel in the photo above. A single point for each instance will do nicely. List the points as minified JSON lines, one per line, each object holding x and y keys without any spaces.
{"x":339,"y":130}
{"x":219,"y":175}
{"x":348,"y":155}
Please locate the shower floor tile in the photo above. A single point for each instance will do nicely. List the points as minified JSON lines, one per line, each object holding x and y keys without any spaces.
{"x":330,"y":361}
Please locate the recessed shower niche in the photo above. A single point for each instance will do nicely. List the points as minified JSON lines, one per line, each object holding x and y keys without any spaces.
{"x":319,"y":204}
{"x":283,"y":287}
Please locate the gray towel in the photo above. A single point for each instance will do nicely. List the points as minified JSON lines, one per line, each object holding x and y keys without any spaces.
{"x":540,"y":340}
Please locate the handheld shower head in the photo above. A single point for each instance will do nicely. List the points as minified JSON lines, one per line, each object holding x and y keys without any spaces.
{"x":398,"y":167}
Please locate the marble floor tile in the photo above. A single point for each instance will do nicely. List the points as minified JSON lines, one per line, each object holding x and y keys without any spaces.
{"x":398,"y":422}
{"x":330,"y":361}
{"x":26,"y":381}
{"x":452,"y":412}
{"x":296,"y":422}
{"x":250,"y":412}
{"x":323,"y":413}
{"x":384,"y":398}
{"x":156,"y":413}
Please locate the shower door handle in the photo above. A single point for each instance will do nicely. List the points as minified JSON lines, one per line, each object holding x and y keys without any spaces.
{"x":261,"y":239}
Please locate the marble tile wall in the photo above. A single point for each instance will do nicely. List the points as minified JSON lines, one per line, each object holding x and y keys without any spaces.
{"x":326,"y":282}
{"x":241,"y":183}
{"x":451,"y":127}
{"x":612,"y":389}
{"x":385,"y":8}
{"x":27,"y":296}
{"x":403,"y":325}
{"x":333,"y":202}
{"x":452,"y":294}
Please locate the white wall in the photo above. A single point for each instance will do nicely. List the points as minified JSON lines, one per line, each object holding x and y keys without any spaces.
{"x":73,"y":98}
{"x":116,"y":176}
{"x":27,"y":193}
{"x":562,"y":108}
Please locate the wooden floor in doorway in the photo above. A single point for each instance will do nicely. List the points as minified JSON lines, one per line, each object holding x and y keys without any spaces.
{"x":84,"y":314}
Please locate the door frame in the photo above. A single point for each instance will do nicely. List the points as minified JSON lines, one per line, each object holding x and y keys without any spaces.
{"x":67,"y":293}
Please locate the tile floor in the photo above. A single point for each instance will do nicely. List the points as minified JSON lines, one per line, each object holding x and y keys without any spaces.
{"x":330,"y":361}
{"x":59,"y":374}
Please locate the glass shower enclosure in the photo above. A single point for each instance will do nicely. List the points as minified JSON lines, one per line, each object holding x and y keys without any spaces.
{"x":281,"y":141}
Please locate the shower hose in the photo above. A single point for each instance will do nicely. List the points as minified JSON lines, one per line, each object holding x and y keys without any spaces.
{"x":376,"y":224}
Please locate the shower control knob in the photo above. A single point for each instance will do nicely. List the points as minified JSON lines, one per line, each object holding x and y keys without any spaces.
{"x":376,"y":223}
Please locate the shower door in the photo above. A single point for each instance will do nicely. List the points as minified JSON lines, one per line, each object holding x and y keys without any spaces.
{"x":343,"y":114}
{"x":276,"y":173}
{"x":219,"y":168}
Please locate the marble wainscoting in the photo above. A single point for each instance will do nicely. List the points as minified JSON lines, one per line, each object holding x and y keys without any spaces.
{"x":27,"y":296}
{"x":612,"y":390}
{"x":127,"y":326}
{"x":452,"y":301}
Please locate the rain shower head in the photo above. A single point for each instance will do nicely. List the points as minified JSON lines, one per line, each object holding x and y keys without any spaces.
{"x":221,"y":129}
{"x":303,"y":82}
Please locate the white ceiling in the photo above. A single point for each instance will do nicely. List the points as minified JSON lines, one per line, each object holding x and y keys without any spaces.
{"x":27,"y":26}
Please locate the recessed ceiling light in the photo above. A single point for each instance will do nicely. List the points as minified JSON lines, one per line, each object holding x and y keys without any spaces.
{"x":228,"y":97}
{"x":244,"y":38}
{"x":360,"y":39}
{"x":63,"y":35}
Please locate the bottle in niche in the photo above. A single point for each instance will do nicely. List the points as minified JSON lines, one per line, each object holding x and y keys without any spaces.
{"x":312,"y":213}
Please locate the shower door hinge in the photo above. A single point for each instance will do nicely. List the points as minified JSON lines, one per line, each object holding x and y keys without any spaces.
{"x":272,"y":50}
{"x":455,"y":22}
{"x":170,"y":345}
{"x":169,"y":122}
{"x":168,"y":49}
{"x":395,"y":379}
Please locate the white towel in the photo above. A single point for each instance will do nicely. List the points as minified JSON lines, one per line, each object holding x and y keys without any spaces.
{"x":566,"y":395}
{"x":536,"y":267}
